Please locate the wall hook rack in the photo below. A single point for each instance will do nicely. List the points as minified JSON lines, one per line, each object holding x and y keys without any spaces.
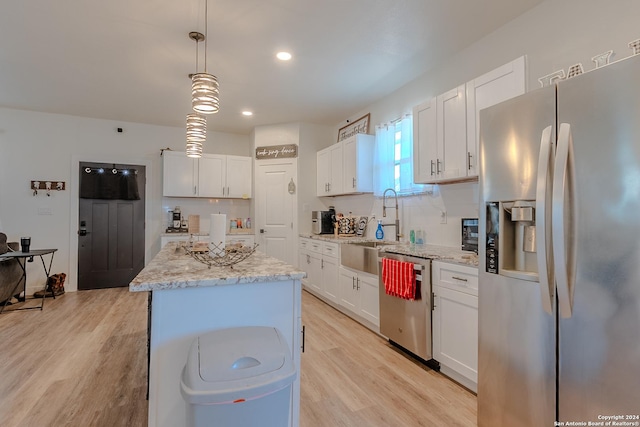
{"x":48,"y":186}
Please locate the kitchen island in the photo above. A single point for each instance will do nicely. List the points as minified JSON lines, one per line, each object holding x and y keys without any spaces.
{"x":187,"y":299}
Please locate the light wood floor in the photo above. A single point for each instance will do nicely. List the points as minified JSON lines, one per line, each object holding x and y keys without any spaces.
{"x":83,"y":362}
{"x":352,"y":377}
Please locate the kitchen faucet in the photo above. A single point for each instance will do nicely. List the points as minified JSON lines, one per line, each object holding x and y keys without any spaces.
{"x":396,"y":224}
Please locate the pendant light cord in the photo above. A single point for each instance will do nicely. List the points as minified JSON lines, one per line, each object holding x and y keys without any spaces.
{"x":206,"y":32}
{"x":197,"y":53}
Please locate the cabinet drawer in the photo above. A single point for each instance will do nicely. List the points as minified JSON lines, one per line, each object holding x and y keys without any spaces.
{"x":315,"y":246}
{"x":457,"y":277}
{"x":330,"y":249}
{"x":303,"y":243}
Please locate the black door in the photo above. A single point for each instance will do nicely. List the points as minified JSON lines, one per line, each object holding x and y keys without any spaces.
{"x":111,"y":228}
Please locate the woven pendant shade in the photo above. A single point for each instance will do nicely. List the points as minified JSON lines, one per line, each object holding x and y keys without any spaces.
{"x":205,"y":93}
{"x":196,"y":134}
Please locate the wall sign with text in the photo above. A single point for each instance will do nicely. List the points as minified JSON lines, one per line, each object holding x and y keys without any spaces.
{"x":277,"y":152}
{"x":359,"y":126}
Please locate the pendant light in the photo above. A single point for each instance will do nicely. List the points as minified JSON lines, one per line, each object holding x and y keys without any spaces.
{"x":196,"y":123}
{"x":196,"y":134}
{"x":204,"y":87}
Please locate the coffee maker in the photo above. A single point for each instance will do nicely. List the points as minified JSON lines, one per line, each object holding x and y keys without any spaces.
{"x":176,"y":223}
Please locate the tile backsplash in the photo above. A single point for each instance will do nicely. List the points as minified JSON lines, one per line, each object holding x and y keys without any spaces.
{"x":233,"y":208}
{"x":422,"y":212}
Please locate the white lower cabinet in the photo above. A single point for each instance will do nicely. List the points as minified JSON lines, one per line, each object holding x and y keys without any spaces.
{"x":353,"y":292}
{"x":320,"y":260}
{"x":311,"y":264}
{"x":330,"y":278}
{"x":359,"y":294}
{"x":455,"y":321}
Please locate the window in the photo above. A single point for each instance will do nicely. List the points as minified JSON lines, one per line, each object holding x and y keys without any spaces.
{"x":393,"y":161}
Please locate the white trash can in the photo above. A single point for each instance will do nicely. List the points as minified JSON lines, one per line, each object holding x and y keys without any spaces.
{"x":238,"y":377}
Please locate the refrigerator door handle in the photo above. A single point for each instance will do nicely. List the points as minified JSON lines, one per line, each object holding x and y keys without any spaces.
{"x":563,"y":221}
{"x":543,"y":219}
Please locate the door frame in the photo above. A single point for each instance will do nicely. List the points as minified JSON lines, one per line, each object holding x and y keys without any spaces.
{"x":74,"y":208}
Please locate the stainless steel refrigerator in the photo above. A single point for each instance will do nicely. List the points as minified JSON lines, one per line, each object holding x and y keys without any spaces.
{"x":559,"y":247}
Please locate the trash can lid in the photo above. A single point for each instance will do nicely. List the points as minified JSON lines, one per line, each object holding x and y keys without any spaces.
{"x":239,"y":353}
{"x":244,"y":363}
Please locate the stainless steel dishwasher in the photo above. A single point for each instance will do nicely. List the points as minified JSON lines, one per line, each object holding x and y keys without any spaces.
{"x":407,"y":324}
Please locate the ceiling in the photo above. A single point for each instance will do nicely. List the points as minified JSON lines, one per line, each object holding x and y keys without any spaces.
{"x":129,"y":60}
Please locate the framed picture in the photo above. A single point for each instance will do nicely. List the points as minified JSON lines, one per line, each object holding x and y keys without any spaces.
{"x":359,"y":126}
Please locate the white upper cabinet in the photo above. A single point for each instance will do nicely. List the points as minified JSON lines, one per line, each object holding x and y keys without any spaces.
{"x":357,"y":162}
{"x":212,"y":175}
{"x":446,"y":128}
{"x":239,"y":177}
{"x":439,"y":138}
{"x":346,"y":167}
{"x":503,"y":83}
{"x":425,"y":151}
{"x":451,"y":134}
{"x":180,"y":175}
{"x":329,"y":171}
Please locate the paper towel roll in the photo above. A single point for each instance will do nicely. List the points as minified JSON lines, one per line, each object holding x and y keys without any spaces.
{"x":217,"y":233}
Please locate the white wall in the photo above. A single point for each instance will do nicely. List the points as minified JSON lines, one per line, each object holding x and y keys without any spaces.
{"x":554,"y":35}
{"x":312,"y":139}
{"x":42,"y":146}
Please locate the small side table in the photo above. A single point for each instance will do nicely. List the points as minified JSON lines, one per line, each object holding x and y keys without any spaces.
{"x":23,"y":258}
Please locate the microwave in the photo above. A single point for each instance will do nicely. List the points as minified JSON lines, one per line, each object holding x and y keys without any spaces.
{"x":470,"y":234}
{"x":322,"y":222}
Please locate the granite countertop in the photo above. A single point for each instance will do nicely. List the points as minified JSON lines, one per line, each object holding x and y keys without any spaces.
{"x":174,"y":268}
{"x":245,"y":232}
{"x":433,"y":252}
{"x":340,"y":239}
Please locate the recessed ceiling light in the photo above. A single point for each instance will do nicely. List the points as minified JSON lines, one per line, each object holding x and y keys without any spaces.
{"x":283,"y":56}
{"x":247,"y":113}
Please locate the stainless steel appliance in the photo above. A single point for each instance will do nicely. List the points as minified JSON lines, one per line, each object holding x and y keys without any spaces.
{"x":470,"y":234}
{"x":408,"y":323}
{"x":559,"y":291}
{"x":322,"y":222}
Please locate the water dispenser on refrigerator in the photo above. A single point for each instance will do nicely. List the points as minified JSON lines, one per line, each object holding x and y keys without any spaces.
{"x":511,"y":239}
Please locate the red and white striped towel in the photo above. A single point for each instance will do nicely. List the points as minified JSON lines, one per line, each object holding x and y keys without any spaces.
{"x":399,"y":278}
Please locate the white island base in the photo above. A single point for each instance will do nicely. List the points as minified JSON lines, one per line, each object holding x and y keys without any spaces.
{"x":179,"y":315}
{"x":189,"y":299}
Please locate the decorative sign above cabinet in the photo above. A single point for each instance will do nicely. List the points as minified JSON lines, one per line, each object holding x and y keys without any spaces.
{"x":277,"y":152}
{"x":359,"y":126}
